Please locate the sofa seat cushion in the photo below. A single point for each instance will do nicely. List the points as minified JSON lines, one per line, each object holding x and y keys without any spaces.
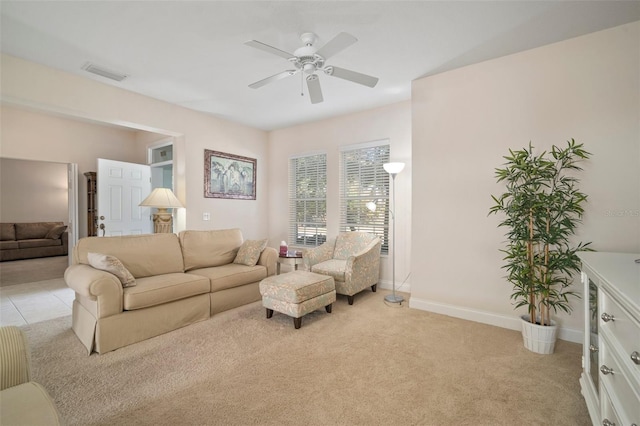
{"x":159,"y":289}
{"x":7,"y":245}
{"x":335,"y":268}
{"x":231,"y":275}
{"x":40,"y":242}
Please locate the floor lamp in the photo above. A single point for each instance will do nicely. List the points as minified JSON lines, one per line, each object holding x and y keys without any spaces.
{"x":393,"y":169}
{"x":162,"y":199}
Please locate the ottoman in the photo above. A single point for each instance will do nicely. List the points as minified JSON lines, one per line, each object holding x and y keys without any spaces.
{"x":297,"y":293}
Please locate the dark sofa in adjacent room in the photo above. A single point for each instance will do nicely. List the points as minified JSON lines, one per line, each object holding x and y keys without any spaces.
{"x":30,"y":240}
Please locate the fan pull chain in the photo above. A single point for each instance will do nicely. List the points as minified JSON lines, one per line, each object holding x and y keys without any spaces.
{"x":301,"y":84}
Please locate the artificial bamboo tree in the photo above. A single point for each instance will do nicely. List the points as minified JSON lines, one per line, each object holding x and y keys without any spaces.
{"x":543,"y":207}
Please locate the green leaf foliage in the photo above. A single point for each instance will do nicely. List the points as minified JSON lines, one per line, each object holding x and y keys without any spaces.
{"x":541,"y":207}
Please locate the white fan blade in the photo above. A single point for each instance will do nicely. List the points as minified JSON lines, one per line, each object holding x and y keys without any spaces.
{"x":356,"y":77}
{"x":315,"y":92}
{"x":275,"y":77}
{"x":269,"y":49}
{"x":336,"y":44}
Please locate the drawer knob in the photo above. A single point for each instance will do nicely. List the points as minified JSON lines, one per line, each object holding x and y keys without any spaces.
{"x":606,"y":370}
{"x":635,"y":357}
{"x":607,"y":422}
{"x":593,"y":349}
{"x":606,"y":317}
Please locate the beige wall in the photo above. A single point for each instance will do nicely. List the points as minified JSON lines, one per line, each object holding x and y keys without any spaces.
{"x":465,"y":120}
{"x":48,"y":90}
{"x":27,"y":134}
{"x":33,"y":191}
{"x":391,"y":122}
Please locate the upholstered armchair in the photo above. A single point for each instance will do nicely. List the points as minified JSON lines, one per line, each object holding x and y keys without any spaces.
{"x":22,"y":402}
{"x":352,"y":259}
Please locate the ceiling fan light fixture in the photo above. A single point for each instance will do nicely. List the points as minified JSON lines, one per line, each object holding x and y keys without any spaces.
{"x":308,"y":60}
{"x":303,"y":51}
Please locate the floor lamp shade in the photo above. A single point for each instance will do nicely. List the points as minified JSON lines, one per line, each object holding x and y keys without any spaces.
{"x":162,"y":199}
{"x":393,"y":169}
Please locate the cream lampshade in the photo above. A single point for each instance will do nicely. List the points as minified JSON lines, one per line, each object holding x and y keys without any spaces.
{"x":393,"y":168}
{"x":162,"y":199}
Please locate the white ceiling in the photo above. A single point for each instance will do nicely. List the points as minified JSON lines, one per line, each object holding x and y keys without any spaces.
{"x":193,"y":53}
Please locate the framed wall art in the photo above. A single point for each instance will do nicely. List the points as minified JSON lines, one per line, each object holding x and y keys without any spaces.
{"x":229,"y":176}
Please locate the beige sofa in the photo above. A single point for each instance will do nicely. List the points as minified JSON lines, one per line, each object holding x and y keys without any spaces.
{"x":30,"y":240}
{"x":180,"y":279}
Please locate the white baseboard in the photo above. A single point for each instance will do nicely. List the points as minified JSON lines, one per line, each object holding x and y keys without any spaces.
{"x":512,"y":323}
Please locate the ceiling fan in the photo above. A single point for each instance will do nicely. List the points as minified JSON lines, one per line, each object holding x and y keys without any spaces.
{"x":308,"y":59}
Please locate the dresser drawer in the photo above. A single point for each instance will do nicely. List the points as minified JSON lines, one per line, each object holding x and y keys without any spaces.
{"x":622,"y":329}
{"x":608,"y":412}
{"x":622,"y":394}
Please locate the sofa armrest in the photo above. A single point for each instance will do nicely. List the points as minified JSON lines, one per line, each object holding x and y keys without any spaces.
{"x":28,"y":404}
{"x":269,"y":258}
{"x":96,"y":285}
{"x":65,"y":241}
{"x":365,"y":266}
{"x":318,"y":254}
{"x":14,"y":357}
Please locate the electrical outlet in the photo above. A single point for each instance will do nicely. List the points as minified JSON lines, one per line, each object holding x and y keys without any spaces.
{"x":206,"y":216}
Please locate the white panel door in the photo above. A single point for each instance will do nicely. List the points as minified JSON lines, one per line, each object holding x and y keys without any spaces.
{"x":121,"y":187}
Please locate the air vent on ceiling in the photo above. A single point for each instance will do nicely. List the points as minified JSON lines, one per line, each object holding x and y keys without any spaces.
{"x":101,"y":71}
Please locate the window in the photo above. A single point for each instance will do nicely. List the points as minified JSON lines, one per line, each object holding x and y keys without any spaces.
{"x":308,"y":200}
{"x":364,"y":180}
{"x":160,"y":158}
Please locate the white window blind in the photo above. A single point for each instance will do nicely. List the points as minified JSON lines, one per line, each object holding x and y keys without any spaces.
{"x":364,"y":180}
{"x":308,"y":200}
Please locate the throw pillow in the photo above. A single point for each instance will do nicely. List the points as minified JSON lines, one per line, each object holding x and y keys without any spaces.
{"x":249,"y":252}
{"x":112,"y":264}
{"x":56,"y":232}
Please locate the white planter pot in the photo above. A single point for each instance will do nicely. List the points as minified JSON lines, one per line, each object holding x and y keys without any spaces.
{"x":540,"y":339}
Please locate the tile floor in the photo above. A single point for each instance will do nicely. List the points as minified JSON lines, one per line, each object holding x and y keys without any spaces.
{"x":34,"y":302}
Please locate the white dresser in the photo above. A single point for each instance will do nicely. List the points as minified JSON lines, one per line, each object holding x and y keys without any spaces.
{"x":610,"y":380}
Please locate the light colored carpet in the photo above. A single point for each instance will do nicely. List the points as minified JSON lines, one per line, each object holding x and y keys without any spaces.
{"x":15,"y":272}
{"x":366,"y":364}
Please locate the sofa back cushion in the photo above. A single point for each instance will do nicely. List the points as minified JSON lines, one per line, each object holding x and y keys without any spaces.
{"x":7,"y":232}
{"x":32,"y":231}
{"x":203,"y":249}
{"x":143,"y":255}
{"x":351,"y":243}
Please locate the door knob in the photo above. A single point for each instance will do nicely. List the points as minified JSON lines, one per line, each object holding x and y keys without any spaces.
{"x":103,"y":228}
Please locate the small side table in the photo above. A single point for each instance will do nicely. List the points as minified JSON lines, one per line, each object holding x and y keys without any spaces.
{"x":292,"y":258}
